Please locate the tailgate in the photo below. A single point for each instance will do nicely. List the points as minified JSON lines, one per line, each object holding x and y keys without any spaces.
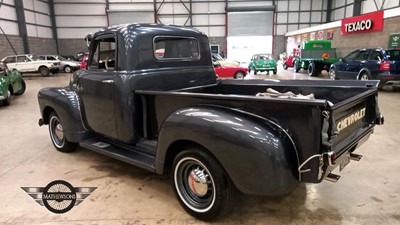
{"x":352,"y":122}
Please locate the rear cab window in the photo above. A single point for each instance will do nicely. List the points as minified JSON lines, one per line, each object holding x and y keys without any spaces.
{"x":176,"y":48}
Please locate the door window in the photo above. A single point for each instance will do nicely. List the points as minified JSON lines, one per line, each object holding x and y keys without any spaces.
{"x":51,"y":58}
{"x":10,"y":60}
{"x":352,"y":55}
{"x":362,"y":56}
{"x":22,"y":59}
{"x":103,"y":54}
{"x":376,"y":55}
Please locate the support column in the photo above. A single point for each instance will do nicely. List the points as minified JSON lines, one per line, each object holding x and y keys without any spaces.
{"x":53,"y":24}
{"x":357,"y":7}
{"x":328,"y":11}
{"x":19,"y":9}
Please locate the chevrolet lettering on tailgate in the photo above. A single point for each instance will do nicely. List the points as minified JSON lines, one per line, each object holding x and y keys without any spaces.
{"x":354,"y":117}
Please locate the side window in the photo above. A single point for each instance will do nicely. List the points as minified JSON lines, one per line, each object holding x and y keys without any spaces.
{"x":22,"y":59}
{"x":376,"y":55}
{"x":180,"y":48}
{"x":42,"y":57}
{"x":352,"y":55}
{"x":363,"y":55}
{"x":10,"y":60}
{"x":103,"y":55}
{"x":51,"y":58}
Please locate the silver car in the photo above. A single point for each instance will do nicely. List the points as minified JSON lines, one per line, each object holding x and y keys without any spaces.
{"x":67,"y":66}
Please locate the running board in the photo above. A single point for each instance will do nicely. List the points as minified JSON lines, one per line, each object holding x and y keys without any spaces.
{"x":136,"y":158}
{"x":332,"y":177}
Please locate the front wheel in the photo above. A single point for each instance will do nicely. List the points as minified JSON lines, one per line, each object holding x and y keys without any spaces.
{"x":201,"y":185}
{"x":57,"y":136}
{"x":332,"y":74}
{"x":285,"y":67}
{"x":67,"y":69}
{"x":7,"y":101}
{"x":274,"y":72}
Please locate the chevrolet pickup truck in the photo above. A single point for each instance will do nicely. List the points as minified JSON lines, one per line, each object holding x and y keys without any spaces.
{"x":167,"y":113}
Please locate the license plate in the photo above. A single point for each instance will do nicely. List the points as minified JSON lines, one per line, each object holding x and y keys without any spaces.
{"x":344,"y":162}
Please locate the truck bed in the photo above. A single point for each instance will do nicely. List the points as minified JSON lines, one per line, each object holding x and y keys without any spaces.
{"x":309,"y":123}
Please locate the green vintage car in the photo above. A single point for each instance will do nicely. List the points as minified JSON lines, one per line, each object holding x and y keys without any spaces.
{"x":11,"y":83}
{"x":262,"y":62}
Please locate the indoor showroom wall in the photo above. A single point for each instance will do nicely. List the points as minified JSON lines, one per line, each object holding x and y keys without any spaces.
{"x":345,"y":44}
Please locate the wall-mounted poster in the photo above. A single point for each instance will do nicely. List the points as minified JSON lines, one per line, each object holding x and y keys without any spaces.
{"x":320,"y":35}
{"x":305,"y":37}
{"x":312,"y":36}
{"x":298,"y":38}
{"x":329,"y":34}
{"x":394,"y":40}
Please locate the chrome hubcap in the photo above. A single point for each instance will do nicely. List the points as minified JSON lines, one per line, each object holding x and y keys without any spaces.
{"x":332,"y":74}
{"x":364,"y":77}
{"x":59,"y":132}
{"x":197,"y":181}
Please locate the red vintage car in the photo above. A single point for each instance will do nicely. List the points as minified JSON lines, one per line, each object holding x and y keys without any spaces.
{"x":289,"y":62}
{"x":237,"y":72}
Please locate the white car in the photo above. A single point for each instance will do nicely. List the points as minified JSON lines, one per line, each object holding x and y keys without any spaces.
{"x":67,"y":66}
{"x":31,"y":63}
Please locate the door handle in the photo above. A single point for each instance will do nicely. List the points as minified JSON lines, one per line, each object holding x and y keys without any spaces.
{"x":109,"y":81}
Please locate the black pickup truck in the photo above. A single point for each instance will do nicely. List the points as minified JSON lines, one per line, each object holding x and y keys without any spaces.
{"x":149,"y":97}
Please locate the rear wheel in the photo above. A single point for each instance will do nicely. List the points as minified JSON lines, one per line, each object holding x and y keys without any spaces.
{"x":285,"y":67}
{"x":44,"y":71}
{"x":239,"y":75}
{"x":364,"y":76}
{"x":57,"y":136}
{"x":296,"y":66}
{"x":201,"y":185}
{"x":23,"y":88}
{"x":274,"y":72}
{"x":314,"y":69}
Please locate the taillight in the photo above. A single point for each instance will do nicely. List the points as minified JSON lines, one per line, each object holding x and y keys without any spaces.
{"x":385,"y":65}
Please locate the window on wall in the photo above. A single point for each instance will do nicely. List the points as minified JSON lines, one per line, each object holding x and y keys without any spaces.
{"x":103,"y":54}
{"x":180,"y":48}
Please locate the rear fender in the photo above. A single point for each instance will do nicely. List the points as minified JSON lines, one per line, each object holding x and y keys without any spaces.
{"x":362,"y":71}
{"x":66,"y":104}
{"x":258,"y":155}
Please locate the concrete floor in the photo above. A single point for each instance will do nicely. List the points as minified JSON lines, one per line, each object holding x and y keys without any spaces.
{"x":367,"y":193}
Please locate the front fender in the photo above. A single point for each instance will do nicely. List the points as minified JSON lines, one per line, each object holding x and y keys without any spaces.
{"x":66,"y":104}
{"x":258,"y":156}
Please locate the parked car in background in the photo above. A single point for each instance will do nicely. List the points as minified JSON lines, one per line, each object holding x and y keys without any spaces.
{"x":67,"y":66}
{"x":217,"y":58}
{"x":369,"y":64}
{"x":84,"y":60}
{"x":70,"y":57}
{"x":31,"y":64}
{"x":237,"y":72}
{"x":289,"y":62}
{"x":11,"y":83}
{"x":261,"y":63}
